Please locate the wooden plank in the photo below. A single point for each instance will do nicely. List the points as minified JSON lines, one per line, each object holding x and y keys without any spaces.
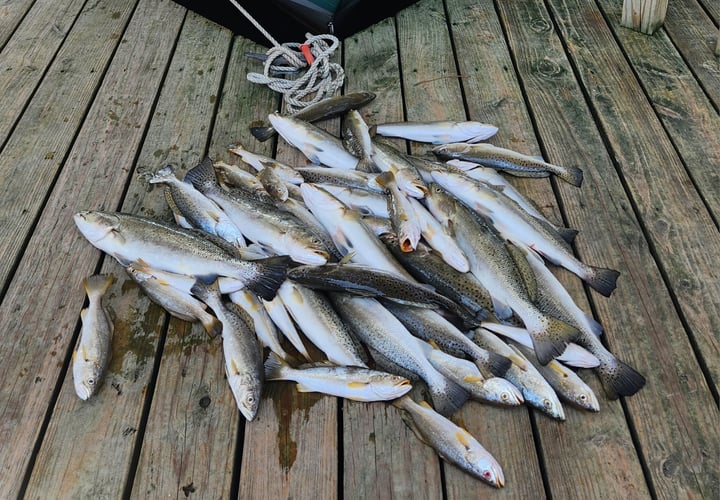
{"x":11,"y":15}
{"x":645,"y":16}
{"x":694,"y":35}
{"x":192,"y":407}
{"x":544,"y":74}
{"x":432,"y":92}
{"x":41,"y":326}
{"x":28,"y":54}
{"x":382,"y":457}
{"x":291,"y":448}
{"x":672,"y":415}
{"x":42,"y":138}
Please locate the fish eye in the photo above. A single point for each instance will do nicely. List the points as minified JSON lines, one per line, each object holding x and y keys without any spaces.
{"x":504,"y":396}
{"x":487,"y":475}
{"x":250,"y":399}
{"x":547,"y":403}
{"x":91,"y":381}
{"x":583,"y":397}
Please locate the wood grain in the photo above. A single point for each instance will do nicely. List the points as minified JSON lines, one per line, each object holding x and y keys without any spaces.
{"x":11,"y":15}
{"x":33,"y":155}
{"x":41,"y":325}
{"x":645,"y":16}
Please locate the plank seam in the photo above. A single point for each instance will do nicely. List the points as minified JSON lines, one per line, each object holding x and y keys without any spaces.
{"x":20,"y":21}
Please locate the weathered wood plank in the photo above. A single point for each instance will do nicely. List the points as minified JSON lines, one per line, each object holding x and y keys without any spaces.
{"x":695,"y":35}
{"x":42,"y":138}
{"x":675,"y":400}
{"x":192,"y":406}
{"x":432,"y":92}
{"x":41,"y":325}
{"x":382,"y":457}
{"x":683,"y":108}
{"x":11,"y":15}
{"x":291,"y":448}
{"x":578,"y":447}
{"x":28,"y":54}
{"x":645,"y":16}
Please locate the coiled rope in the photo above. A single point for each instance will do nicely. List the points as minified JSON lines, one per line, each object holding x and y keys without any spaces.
{"x":322,"y":78}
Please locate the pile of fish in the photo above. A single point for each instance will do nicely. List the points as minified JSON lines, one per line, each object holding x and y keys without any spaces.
{"x":404,"y":271}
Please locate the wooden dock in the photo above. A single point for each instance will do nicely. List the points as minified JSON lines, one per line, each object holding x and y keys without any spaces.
{"x":92,"y":94}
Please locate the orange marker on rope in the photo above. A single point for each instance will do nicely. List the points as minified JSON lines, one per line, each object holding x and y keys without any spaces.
{"x":305,"y":49}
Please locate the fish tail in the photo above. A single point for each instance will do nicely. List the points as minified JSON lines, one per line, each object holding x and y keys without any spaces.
{"x":619,"y":378}
{"x":202,"y":175}
{"x":498,"y":364}
{"x":551,"y":342}
{"x":273,"y":271}
{"x":602,"y":280}
{"x":262,"y":134}
{"x":212,"y":325}
{"x":447,"y":396}
{"x":366,"y":165}
{"x":572,"y":175}
{"x":98,"y":284}
{"x":275,"y":367}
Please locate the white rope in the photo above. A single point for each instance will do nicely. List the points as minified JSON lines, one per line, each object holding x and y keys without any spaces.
{"x":322,"y":79}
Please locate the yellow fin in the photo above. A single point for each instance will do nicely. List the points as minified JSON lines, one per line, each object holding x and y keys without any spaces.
{"x":303,"y":388}
{"x":425,"y":404}
{"x":356,"y":385}
{"x":463,"y":437}
{"x":234,"y":367}
{"x":473,"y":378}
{"x":347,"y":258}
{"x":557,"y":367}
{"x":83,"y":313}
{"x":434,"y":344}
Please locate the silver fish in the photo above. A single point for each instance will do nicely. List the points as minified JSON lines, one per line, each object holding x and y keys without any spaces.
{"x":316,"y":144}
{"x":388,"y":159}
{"x":535,"y":389}
{"x":315,"y":316}
{"x":494,"y":390}
{"x":198,"y":210}
{"x":346,"y":178}
{"x":130,"y":238}
{"x":322,"y":110}
{"x":174,"y":300}
{"x":92,"y":353}
{"x":281,"y":318}
{"x":509,"y":161}
{"x":365,"y":201}
{"x":378,"y":328}
{"x":523,"y":230}
{"x":260,"y":222}
{"x":261,"y":163}
{"x":356,"y":138}
{"x":453,"y":443}
{"x":402,"y":213}
{"x":241,"y":351}
{"x":438,"y":132}
{"x":349,"y":382}
{"x":258,"y":316}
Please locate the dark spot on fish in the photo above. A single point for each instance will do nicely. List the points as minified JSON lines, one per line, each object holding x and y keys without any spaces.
{"x":128,"y":431}
{"x":189,"y":488}
{"x":204,"y":401}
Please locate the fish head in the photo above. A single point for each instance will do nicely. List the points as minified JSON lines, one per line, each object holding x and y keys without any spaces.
{"x":502,"y":392}
{"x":440,"y":203}
{"x":586,"y":400}
{"x":393,"y":387}
{"x":95,"y":225}
{"x":86,"y":377}
{"x":485,"y":467}
{"x":545,"y":400}
{"x":247,"y":396}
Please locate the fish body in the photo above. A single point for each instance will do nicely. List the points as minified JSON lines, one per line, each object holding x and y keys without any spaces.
{"x":298,"y":210}
{"x":402,"y":213}
{"x":438,"y":132}
{"x":495,"y":268}
{"x":368,"y":281}
{"x":322,"y":110}
{"x":260,"y":222}
{"x":241,"y":351}
{"x":261,"y":163}
{"x":316,"y":144}
{"x":494,"y":390}
{"x":176,"y":301}
{"x":536,"y":391}
{"x":365,"y":201}
{"x":346,"y":178}
{"x":349,"y":382}
{"x":258,"y":317}
{"x":281,"y":318}
{"x":198,"y":210}
{"x":453,"y":443}
{"x":233,"y":176}
{"x":438,"y":238}
{"x":428,"y":267}
{"x":508,"y":161}
{"x":376,"y":327}
{"x":315,"y":316}
{"x":430,"y":326}
{"x":130,"y":238}
{"x":92,"y":353}
{"x":349,"y":233}
{"x":356,"y":138}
